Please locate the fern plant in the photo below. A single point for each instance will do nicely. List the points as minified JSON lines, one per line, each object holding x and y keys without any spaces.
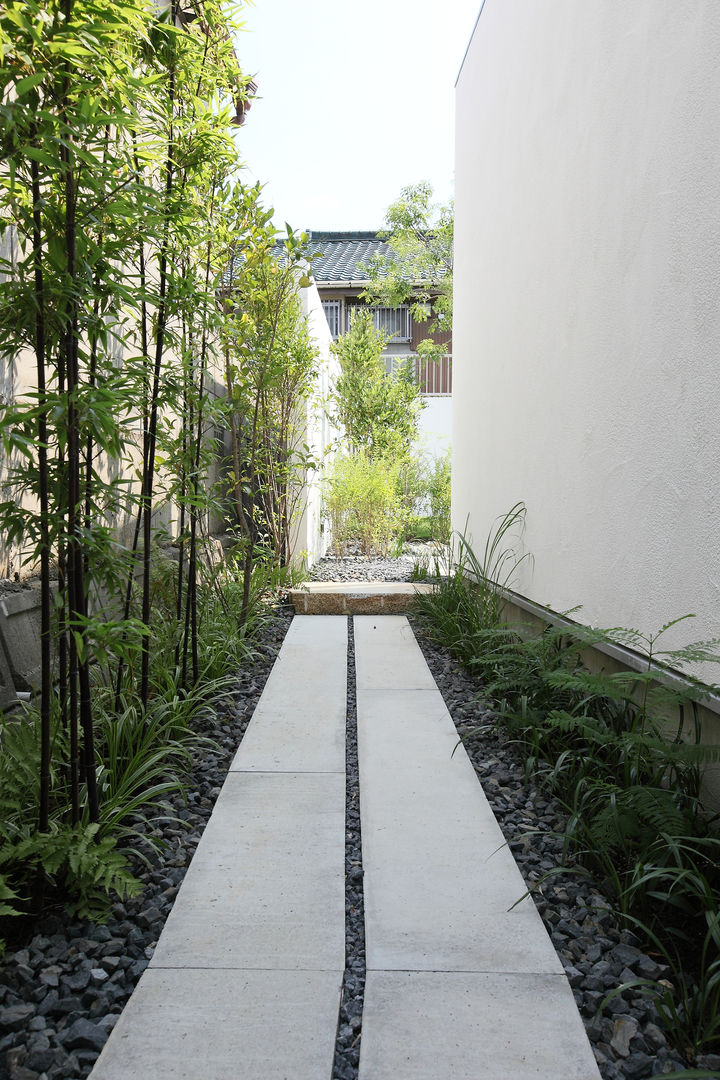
{"x":88,"y":869}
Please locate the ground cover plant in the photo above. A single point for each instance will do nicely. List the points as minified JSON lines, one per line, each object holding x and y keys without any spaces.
{"x":622,"y":750}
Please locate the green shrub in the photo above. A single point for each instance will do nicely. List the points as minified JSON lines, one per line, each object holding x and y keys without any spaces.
{"x":362,"y":503}
{"x":377,"y":410}
{"x":439,"y":496}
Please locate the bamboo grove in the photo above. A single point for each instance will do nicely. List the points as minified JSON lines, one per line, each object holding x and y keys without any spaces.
{"x":121,"y":208}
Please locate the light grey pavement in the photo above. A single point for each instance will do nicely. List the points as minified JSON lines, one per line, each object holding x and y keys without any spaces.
{"x":246,"y":977}
{"x":460,"y":985}
{"x":245,"y":981}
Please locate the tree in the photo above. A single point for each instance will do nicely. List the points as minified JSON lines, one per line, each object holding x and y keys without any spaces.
{"x":378,"y":411}
{"x":419,"y":270}
{"x":270,"y":367}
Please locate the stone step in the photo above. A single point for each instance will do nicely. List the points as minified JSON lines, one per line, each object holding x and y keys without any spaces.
{"x":356,"y":597}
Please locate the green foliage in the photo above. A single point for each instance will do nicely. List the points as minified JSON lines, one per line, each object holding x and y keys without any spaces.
{"x":76,"y":861}
{"x":118,"y":209}
{"x":420,"y":268}
{"x":425,"y":494}
{"x":623,"y":751}
{"x":377,"y":410}
{"x":468,"y":604}
{"x":439,"y":493}
{"x":362,"y":502}
{"x":270,"y":368}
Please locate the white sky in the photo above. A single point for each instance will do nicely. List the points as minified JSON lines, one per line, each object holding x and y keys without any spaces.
{"x":355,"y":101}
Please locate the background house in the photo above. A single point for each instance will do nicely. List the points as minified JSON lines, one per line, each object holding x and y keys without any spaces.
{"x":587,"y":271}
{"x":340,"y":270}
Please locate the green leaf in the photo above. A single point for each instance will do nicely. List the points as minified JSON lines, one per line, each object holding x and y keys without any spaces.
{"x":23,"y":86}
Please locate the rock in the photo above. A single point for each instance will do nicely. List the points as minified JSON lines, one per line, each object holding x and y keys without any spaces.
{"x":51,"y":975}
{"x":637,"y":1066}
{"x":100,"y":933}
{"x":624,"y":1030}
{"x":653,"y":1036}
{"x":15,"y":1017}
{"x":84,"y":1033}
{"x":108,"y":1022}
{"x":78,"y":981}
{"x":21,"y":1073}
{"x":647,"y":968}
{"x":709,"y":1061}
{"x":40,"y":1060}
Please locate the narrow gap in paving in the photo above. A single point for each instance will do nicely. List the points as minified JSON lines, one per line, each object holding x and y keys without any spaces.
{"x":347,"y":1046}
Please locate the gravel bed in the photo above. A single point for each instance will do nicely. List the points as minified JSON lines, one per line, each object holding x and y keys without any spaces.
{"x":364,"y":568}
{"x":62,"y":991}
{"x":347,"y":1046}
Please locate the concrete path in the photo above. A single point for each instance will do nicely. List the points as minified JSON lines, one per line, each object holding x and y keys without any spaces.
{"x":458,"y":987}
{"x":245,"y":981}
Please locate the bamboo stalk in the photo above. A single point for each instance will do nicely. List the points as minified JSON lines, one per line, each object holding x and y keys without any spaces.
{"x":45,"y":654}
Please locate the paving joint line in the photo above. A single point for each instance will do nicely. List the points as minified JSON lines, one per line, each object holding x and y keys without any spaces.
{"x":349,"y":1032}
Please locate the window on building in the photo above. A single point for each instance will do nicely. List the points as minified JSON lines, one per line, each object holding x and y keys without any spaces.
{"x":332,"y":314}
{"x":395,"y":323}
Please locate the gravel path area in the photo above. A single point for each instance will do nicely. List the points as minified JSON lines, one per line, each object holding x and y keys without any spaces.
{"x":362,"y":568}
{"x":597,"y":953}
{"x":62,"y":991}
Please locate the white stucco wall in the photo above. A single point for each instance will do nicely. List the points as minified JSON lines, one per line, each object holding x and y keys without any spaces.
{"x":587,"y":314}
{"x":435,"y":426}
{"x":311,"y":537}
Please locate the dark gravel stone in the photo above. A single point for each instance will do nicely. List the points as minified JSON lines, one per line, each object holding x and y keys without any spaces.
{"x":83,"y":1033}
{"x":16,"y":1017}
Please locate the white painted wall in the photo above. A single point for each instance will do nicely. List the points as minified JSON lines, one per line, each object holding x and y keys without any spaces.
{"x":587,"y":315}
{"x":435,"y":426}
{"x":311,"y":537}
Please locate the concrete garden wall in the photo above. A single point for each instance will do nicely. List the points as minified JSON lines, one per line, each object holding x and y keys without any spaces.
{"x":587,"y":323}
{"x":311,"y":537}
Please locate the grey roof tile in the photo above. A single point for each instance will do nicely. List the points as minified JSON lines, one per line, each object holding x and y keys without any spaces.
{"x":344,"y":256}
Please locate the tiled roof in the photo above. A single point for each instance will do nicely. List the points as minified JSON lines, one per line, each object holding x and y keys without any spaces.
{"x":344,"y":256}
{"x":341,"y":256}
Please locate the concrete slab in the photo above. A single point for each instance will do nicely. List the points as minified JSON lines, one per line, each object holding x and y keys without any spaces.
{"x":8,"y":693}
{"x":20,"y":627}
{"x":387,"y":657}
{"x":439,"y":879}
{"x":299,"y":722}
{"x":225,"y":1025}
{"x":452,"y":1026}
{"x":266,"y":886}
{"x":356,"y":597}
